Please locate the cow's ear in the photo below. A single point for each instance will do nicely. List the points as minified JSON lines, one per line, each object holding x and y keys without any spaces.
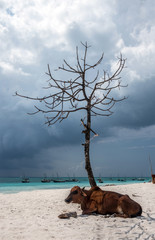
{"x":83,"y":194}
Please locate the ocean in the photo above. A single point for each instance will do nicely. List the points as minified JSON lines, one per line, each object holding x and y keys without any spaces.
{"x":15,"y":185}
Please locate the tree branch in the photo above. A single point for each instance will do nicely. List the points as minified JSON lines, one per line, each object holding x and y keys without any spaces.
{"x":68,"y":93}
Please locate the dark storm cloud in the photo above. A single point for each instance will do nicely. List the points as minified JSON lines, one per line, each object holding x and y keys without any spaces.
{"x":136,"y":112}
{"x":22,"y":139}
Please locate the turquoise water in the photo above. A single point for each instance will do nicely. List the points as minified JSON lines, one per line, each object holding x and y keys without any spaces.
{"x":14,"y":185}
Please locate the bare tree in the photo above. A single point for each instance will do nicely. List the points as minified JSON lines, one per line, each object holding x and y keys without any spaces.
{"x":81,"y":94}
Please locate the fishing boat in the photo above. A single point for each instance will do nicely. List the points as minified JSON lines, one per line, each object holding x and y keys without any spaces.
{"x":134,"y":179}
{"x":140,"y":179}
{"x":121,"y":180}
{"x":100,"y":180}
{"x":72,"y":180}
{"x":58,"y":181}
{"x":25,"y":180}
{"x":45,"y":180}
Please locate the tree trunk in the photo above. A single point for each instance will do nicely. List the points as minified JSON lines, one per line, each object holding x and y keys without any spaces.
{"x":86,"y":150}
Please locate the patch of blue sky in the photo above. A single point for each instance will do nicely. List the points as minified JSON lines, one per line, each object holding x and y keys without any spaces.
{"x":10,"y":12}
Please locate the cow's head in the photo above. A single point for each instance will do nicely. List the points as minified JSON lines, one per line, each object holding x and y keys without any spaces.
{"x":76,"y":195}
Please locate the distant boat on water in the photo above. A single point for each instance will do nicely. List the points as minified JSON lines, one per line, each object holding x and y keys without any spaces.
{"x":58,"y":181}
{"x":140,"y":179}
{"x":134,"y":179}
{"x":100,"y":180}
{"x":121,"y":180}
{"x":65,"y":180}
{"x":25,"y":180}
{"x":45,"y":180}
{"x":72,"y":180}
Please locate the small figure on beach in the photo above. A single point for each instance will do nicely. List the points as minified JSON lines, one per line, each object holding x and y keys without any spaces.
{"x":102,"y":202}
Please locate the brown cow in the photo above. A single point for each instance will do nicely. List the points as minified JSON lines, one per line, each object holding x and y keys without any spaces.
{"x":104,"y":202}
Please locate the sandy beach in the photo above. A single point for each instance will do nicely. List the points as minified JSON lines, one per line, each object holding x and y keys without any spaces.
{"x":34,"y":215}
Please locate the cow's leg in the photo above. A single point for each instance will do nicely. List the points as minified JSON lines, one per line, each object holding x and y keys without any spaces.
{"x":121,"y":215}
{"x":91,"y":209}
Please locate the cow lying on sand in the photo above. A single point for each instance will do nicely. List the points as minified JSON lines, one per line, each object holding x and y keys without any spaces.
{"x":98,"y":201}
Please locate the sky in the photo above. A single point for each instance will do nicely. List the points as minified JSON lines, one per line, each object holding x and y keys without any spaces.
{"x":36,"y":33}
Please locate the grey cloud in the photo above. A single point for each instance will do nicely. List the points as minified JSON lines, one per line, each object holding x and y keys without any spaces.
{"x":23,"y":138}
{"x":137,"y":111}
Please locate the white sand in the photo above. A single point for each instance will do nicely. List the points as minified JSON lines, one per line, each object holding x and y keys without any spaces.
{"x":34,"y":215}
